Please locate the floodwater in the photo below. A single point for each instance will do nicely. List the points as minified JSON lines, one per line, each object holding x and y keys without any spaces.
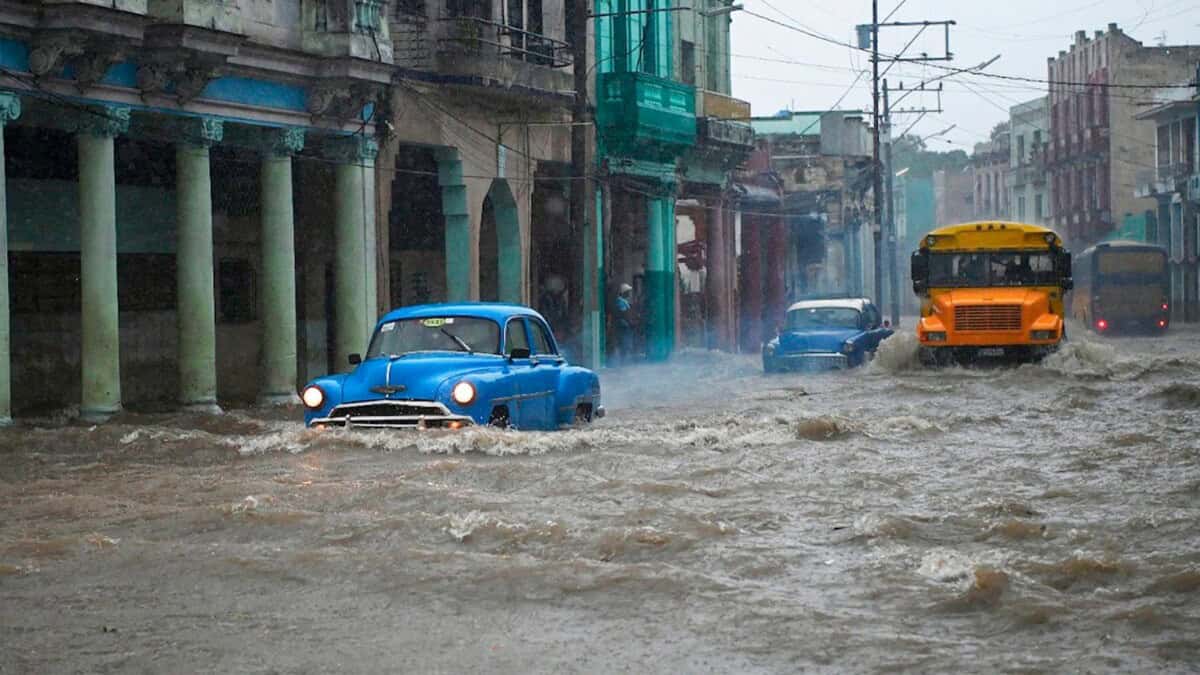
{"x":1017,"y":519}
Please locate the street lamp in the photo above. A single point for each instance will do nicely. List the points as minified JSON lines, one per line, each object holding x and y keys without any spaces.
{"x":721,"y":10}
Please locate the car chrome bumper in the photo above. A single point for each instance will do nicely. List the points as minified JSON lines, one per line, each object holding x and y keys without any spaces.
{"x":393,"y":415}
{"x":812,"y":360}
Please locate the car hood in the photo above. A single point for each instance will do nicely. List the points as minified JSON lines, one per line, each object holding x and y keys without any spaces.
{"x":817,"y":339}
{"x":420,"y":375}
{"x":992,"y":296}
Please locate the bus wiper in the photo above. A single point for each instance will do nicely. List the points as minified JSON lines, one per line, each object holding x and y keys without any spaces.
{"x":461,"y":343}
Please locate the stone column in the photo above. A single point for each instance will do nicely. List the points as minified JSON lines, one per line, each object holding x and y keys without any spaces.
{"x":195,"y":307}
{"x":751,"y":288}
{"x":99,"y":317}
{"x":354,"y":239}
{"x":10,"y":109}
{"x":457,"y":214}
{"x":277,"y":307}
{"x":714,"y":279}
{"x":777,"y":248}
{"x":659,"y":310}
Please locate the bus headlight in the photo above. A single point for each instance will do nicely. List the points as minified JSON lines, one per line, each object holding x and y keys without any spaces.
{"x":935,"y":336}
{"x":1049,"y":238}
{"x":1043,"y":334}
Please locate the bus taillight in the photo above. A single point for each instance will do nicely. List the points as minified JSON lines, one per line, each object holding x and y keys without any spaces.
{"x":1101,"y":325}
{"x":1166,"y":307}
{"x":1162,"y":323}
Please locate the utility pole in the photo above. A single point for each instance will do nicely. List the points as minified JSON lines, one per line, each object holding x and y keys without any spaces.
{"x":582,"y":207}
{"x":877,"y":183}
{"x":892,"y":260}
{"x":881,"y":163}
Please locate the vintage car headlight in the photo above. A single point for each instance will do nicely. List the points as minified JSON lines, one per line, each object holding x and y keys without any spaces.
{"x":313,"y":397}
{"x":848,"y":347}
{"x":463,"y":393}
{"x":770,"y":347}
{"x":1043,"y":334}
{"x":935,"y":336}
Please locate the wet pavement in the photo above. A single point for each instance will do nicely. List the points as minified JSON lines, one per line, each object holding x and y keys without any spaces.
{"x":1001,"y":519}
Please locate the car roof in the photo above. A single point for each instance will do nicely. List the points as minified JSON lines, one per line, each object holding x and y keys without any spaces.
{"x":844,"y":303}
{"x":496,"y":311}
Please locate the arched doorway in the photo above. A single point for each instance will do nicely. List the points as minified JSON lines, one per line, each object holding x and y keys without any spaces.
{"x":501,"y":264}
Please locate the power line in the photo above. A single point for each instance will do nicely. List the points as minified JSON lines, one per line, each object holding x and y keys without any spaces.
{"x":967,"y":71}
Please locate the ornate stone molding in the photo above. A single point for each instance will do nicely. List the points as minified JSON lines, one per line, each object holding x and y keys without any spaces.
{"x":10,"y":108}
{"x":342,"y":100}
{"x":103,"y":120}
{"x":202,"y":131}
{"x":51,"y":52}
{"x":192,"y":80}
{"x":283,"y":142}
{"x":189,"y":74}
{"x":357,"y":149}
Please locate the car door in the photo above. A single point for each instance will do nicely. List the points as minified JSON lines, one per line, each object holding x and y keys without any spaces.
{"x":520,"y":371}
{"x":875,"y":330}
{"x":545,"y":372}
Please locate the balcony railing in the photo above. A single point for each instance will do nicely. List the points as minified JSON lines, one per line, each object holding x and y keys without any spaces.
{"x":481,"y":37}
{"x":713,"y":130}
{"x":638,"y":112}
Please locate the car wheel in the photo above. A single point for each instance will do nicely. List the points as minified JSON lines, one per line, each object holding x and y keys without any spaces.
{"x":583,"y":415}
{"x":500,"y":418}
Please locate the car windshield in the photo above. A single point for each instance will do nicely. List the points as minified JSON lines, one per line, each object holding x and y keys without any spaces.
{"x":1017,"y":268}
{"x":823,"y":317}
{"x":436,"y":334}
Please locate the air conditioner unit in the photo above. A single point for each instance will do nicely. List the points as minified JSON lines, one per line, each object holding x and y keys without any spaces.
{"x":1193,"y":187}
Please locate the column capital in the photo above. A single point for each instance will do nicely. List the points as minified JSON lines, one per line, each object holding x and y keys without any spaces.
{"x":103,"y":120}
{"x":282,"y":142}
{"x":10,"y":107}
{"x":356,"y":149}
{"x":201,"y":132}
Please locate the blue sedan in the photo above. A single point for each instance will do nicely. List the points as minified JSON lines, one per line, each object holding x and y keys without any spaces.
{"x":823,"y":334}
{"x":456,"y":365}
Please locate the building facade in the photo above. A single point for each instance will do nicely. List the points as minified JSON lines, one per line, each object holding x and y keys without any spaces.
{"x":668,"y":130}
{"x":1097,"y":143}
{"x":822,"y":161}
{"x":991,"y":164}
{"x":1174,"y":186}
{"x":178,"y":172}
{"x":1029,"y":197}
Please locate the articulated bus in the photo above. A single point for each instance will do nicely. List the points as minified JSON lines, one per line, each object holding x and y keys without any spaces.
{"x":1122,"y":286}
{"x":990,"y":289}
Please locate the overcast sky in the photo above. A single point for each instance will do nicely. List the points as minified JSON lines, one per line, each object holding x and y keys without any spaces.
{"x":777,"y":68}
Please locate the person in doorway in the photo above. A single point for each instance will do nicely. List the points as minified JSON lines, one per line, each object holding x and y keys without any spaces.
{"x":624,"y":323}
{"x":552,"y":303}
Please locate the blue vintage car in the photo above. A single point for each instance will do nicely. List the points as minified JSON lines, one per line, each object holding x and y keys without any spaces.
{"x":456,"y":365}
{"x":822,"y":334}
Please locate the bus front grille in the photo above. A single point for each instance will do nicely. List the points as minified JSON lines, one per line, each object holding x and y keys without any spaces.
{"x":987,"y":317}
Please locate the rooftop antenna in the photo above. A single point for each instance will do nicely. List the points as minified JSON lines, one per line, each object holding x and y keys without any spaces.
{"x":1161,"y":38}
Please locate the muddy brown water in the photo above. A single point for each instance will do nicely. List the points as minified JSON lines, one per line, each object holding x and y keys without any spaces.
{"x":1031,"y":519}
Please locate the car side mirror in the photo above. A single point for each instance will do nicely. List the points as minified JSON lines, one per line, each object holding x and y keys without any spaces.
{"x":919,"y":268}
{"x":354,"y":359}
{"x":519,"y":353}
{"x":887,"y":324}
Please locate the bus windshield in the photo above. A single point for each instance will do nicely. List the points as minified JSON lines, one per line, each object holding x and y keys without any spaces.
{"x":1016,"y":268}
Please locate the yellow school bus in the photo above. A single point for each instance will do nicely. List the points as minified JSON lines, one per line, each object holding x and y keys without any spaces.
{"x":990,"y":289}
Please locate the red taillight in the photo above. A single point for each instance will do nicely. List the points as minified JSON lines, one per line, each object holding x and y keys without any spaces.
{"x":1162,"y":323}
{"x":1101,"y":325}
{"x":1165,"y":307}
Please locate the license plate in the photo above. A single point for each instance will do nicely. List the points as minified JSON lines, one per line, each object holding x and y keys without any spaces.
{"x":991,"y":351}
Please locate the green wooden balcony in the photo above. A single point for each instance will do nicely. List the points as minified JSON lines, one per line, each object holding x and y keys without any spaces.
{"x":643,"y":115}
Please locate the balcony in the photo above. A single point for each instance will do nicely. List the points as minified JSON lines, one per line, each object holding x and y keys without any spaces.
{"x":713,"y":131}
{"x":639,"y":114}
{"x":712,"y":104}
{"x":1193,"y":188}
{"x":345,"y":28}
{"x":482,"y":52}
{"x":1154,"y":182}
{"x":1029,"y":174}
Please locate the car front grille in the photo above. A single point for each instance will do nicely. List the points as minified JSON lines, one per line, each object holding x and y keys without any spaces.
{"x":387,"y":409}
{"x":987,"y":317}
{"x":394,"y":415}
{"x":815,"y":361}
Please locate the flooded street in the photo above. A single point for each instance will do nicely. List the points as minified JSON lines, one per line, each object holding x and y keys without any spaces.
{"x":1033,"y":519}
